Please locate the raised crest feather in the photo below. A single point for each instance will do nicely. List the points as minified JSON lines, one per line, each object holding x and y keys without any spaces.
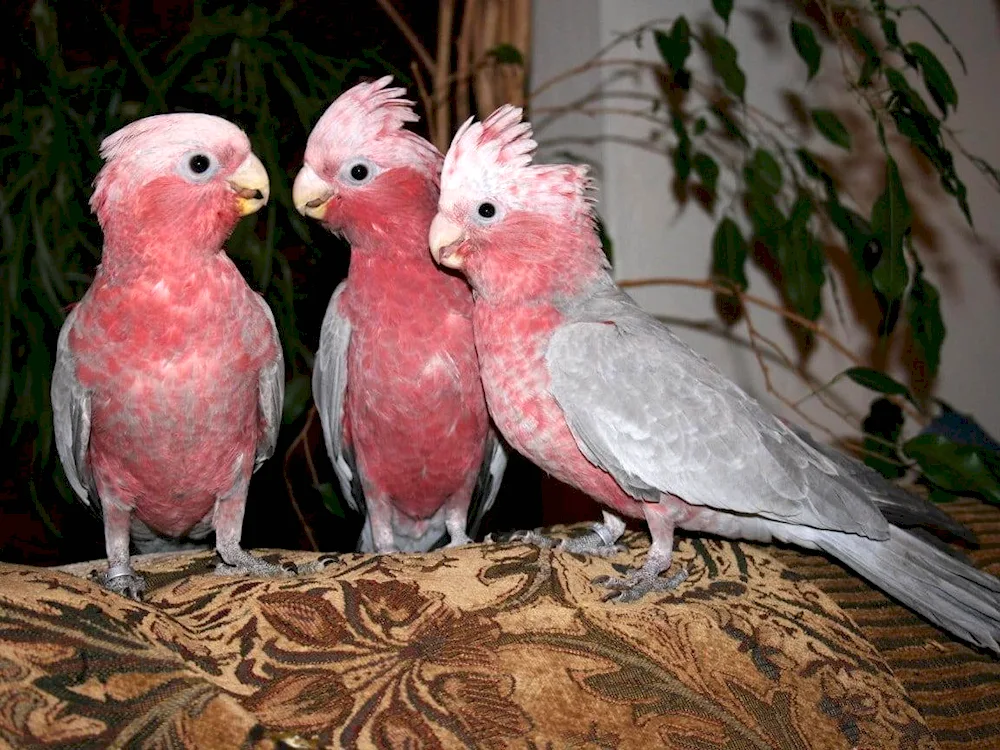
{"x":368,"y":119}
{"x":495,"y":157}
{"x":373,"y":106}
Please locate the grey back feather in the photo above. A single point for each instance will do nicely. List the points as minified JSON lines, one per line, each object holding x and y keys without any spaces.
{"x":71,"y":417}
{"x":659,"y":417}
{"x":329,"y":384}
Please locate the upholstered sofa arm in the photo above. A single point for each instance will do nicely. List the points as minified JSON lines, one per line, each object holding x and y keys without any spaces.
{"x":502,"y":645}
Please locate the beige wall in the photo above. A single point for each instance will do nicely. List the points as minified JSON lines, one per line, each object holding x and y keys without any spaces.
{"x":656,"y":237}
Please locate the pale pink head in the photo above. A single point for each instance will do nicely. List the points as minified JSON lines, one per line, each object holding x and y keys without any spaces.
{"x":513,"y":227}
{"x":174,"y":184}
{"x":365,"y":175}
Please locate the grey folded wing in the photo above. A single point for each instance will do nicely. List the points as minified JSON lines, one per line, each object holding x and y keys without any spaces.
{"x":660,"y":418}
{"x":329,"y":385}
{"x":271,"y":393}
{"x":71,"y":417}
{"x":487,"y":484}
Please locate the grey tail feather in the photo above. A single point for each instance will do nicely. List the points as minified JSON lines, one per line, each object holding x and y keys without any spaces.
{"x":955,"y":596}
{"x":147,"y":541}
{"x":899,"y":506}
{"x":433,"y":538}
{"x":365,"y":541}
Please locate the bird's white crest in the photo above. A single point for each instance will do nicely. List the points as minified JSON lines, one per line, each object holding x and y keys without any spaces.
{"x":368,"y":119}
{"x":493,"y":159}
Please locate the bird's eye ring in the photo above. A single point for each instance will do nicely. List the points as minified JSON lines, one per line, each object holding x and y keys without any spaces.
{"x":358,"y":171}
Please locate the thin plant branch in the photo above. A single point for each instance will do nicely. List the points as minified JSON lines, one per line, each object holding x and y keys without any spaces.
{"x":753,"y":299}
{"x":425,"y":97}
{"x":302,"y":438}
{"x":404,"y":28}
{"x":442,"y":115}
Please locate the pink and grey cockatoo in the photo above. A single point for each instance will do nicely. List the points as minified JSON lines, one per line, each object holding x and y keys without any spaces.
{"x":605,"y":398}
{"x":396,"y":378}
{"x":169,"y":376}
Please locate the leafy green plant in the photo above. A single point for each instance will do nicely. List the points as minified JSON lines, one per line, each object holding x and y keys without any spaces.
{"x":792,"y":201}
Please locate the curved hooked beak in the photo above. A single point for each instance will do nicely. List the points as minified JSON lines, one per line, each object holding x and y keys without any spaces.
{"x":445,"y":237}
{"x":311,"y":193}
{"x":251,"y":185}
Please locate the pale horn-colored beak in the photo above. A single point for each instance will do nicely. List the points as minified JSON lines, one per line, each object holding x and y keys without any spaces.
{"x":311,"y":193}
{"x":444,"y":237}
{"x":251,"y":185}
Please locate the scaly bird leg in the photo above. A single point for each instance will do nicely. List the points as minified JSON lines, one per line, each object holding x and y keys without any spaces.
{"x":646,"y":579}
{"x":601,"y":540}
{"x":456,"y":515}
{"x":455,"y":520}
{"x":378,"y":506}
{"x":120,"y":577}
{"x":228,"y":523}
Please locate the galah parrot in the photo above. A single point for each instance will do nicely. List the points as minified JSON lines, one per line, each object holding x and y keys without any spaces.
{"x":169,"y":376}
{"x":605,"y":398}
{"x":396,"y":379}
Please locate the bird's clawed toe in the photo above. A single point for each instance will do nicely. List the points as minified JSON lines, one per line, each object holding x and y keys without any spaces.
{"x":130,"y":585}
{"x":637,"y":584}
{"x":529,"y":536}
{"x":241,"y":562}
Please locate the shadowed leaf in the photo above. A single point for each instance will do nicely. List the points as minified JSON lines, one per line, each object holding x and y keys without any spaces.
{"x":507,"y":54}
{"x":831,"y":128}
{"x":729,"y":254}
{"x":804,"y":41}
{"x":882,"y":429}
{"x":936,"y":78}
{"x":723,"y":9}
{"x":891,"y":219}
{"x":675,"y":47}
{"x":707,"y":170}
{"x":923,"y":312}
{"x":877,"y":381}
{"x":723,"y":56}
{"x":956,"y":467}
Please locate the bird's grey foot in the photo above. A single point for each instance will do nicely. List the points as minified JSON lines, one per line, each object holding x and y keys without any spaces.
{"x":600,"y":541}
{"x":128,"y":583}
{"x":458,"y":540}
{"x":238,"y":561}
{"x":638,"y":583}
{"x":646,"y":579}
{"x":321,"y":563}
{"x":529,"y":536}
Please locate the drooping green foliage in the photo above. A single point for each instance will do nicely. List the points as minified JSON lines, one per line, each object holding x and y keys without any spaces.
{"x":780,"y":189}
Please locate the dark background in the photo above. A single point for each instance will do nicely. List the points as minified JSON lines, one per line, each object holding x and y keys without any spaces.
{"x":41,"y":522}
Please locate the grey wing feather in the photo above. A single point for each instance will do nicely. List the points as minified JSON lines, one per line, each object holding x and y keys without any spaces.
{"x":660,"y":418}
{"x":271,"y":393}
{"x":329,"y":385}
{"x":488,"y":483}
{"x":71,"y":417}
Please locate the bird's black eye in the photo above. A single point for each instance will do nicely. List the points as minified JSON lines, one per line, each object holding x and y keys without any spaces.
{"x":487,"y":210}
{"x":199,"y":163}
{"x":359,"y":172}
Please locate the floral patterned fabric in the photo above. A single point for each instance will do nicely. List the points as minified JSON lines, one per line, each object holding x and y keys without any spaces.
{"x":487,"y":646}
